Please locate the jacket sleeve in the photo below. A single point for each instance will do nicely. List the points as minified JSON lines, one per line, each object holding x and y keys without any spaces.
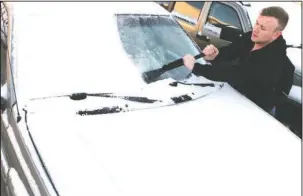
{"x":229,"y":52}
{"x":265,"y":74}
{"x":226,"y":73}
{"x":233,"y":50}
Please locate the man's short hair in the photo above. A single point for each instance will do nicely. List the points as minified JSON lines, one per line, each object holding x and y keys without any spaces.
{"x":277,"y":12}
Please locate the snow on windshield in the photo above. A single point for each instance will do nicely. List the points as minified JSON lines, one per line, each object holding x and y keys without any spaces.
{"x":153,"y":41}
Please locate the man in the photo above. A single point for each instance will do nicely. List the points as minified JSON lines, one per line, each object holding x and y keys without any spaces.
{"x":263,"y":71}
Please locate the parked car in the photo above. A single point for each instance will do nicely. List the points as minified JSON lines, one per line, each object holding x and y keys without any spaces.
{"x":81,"y":119}
{"x":204,"y":22}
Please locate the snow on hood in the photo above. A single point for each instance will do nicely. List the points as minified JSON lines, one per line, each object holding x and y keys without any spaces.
{"x":194,"y":147}
{"x":161,"y":91}
{"x":56,"y":55}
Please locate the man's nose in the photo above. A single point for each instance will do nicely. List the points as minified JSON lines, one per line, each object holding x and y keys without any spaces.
{"x":256,"y":29}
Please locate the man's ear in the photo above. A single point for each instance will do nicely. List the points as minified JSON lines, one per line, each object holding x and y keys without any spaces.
{"x":277,"y":34}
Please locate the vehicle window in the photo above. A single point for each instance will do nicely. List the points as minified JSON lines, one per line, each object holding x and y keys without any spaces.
{"x":163,"y":3}
{"x":221,"y":15}
{"x":188,"y":11}
{"x":152,"y":41}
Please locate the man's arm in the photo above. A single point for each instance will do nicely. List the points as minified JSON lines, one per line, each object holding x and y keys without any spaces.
{"x":229,"y":52}
{"x":233,"y":50}
{"x":226,"y":73}
{"x":265,"y":73}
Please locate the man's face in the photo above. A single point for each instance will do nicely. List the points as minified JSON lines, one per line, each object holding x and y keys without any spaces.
{"x":265,"y":30}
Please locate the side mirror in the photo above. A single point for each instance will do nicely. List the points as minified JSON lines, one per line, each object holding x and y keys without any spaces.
{"x":4,"y":97}
{"x":230,"y":33}
{"x":210,"y":29}
{"x":202,"y":37}
{"x":3,"y":104}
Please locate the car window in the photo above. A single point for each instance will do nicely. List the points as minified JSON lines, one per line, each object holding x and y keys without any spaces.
{"x":152,"y":41}
{"x":221,"y":14}
{"x":163,"y":3}
{"x":188,"y":11}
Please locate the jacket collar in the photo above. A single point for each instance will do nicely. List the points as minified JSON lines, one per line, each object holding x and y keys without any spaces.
{"x":277,"y":47}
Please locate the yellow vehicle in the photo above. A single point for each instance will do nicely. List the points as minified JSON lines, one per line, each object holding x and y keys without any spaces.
{"x":204,"y":20}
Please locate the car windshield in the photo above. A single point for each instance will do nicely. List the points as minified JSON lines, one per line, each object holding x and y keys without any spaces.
{"x":153,"y":41}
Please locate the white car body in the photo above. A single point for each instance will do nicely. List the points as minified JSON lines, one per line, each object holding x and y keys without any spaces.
{"x":219,"y":144}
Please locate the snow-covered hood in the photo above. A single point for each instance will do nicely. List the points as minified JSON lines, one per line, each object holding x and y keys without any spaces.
{"x":46,"y":60}
{"x":218,"y":144}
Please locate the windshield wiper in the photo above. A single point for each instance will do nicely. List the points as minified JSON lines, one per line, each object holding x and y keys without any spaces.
{"x":125,"y":108}
{"x":118,"y":109}
{"x":81,"y":96}
{"x":195,"y":84}
{"x":104,"y":110}
{"x":181,"y":98}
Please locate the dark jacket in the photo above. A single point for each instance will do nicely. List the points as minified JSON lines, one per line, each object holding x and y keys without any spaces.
{"x":261,"y":75}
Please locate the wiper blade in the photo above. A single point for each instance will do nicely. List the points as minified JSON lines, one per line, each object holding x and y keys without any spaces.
{"x":181,"y":98}
{"x":195,"y":84}
{"x":118,"y":109}
{"x":105,"y":110}
{"x":81,"y":96}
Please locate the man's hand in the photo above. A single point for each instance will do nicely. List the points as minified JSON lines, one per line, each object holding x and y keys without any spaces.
{"x":189,"y":61}
{"x":211,"y":52}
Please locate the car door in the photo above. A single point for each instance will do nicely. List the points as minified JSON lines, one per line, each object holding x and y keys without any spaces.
{"x":217,"y":15}
{"x":12,"y":176}
{"x":188,"y":14}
